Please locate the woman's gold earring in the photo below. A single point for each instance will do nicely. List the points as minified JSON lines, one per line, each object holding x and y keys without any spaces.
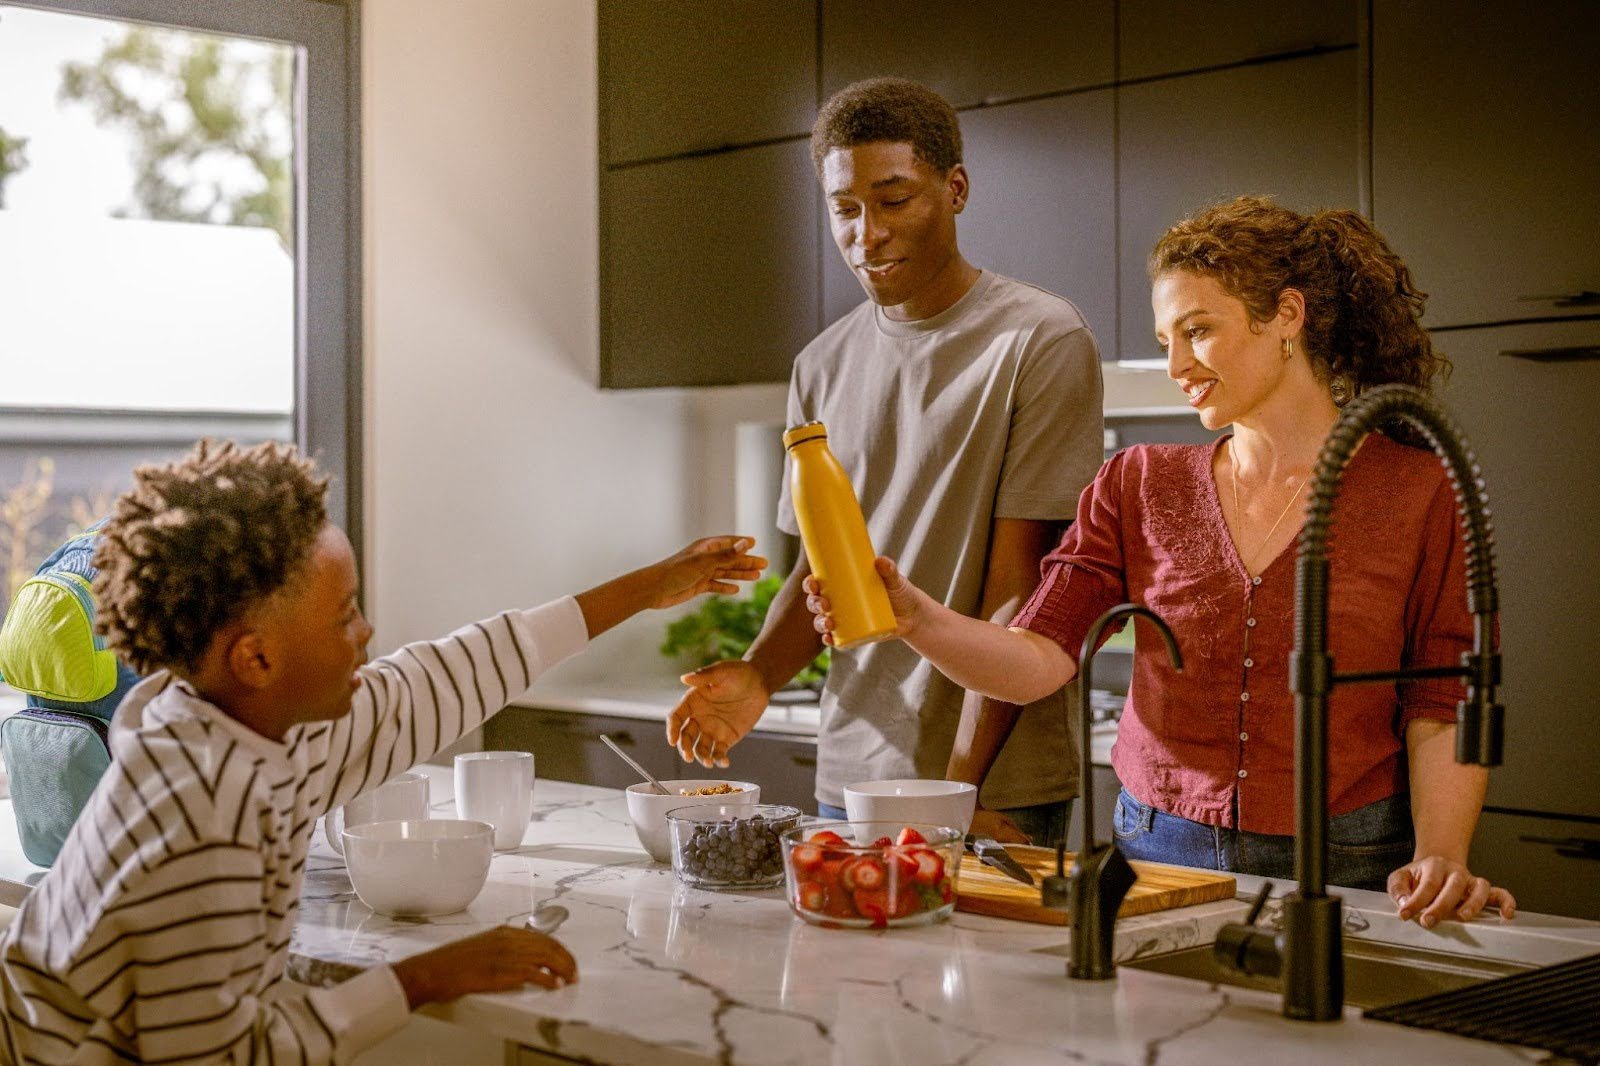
{"x":1288,"y":350}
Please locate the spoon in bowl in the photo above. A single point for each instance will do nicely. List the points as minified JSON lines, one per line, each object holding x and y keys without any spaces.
{"x":641,"y":771}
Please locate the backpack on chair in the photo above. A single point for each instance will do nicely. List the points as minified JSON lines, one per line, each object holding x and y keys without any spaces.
{"x":56,"y":749}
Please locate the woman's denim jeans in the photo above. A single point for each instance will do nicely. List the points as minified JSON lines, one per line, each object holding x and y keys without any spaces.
{"x":1364,"y":846}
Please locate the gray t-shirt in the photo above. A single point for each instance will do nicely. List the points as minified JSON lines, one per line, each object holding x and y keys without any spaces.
{"x":990,"y":409}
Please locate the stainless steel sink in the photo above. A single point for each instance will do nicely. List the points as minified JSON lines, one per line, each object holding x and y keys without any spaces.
{"x":1375,"y":975}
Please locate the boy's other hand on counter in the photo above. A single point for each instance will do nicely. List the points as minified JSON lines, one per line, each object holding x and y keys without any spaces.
{"x":1435,"y":888}
{"x":498,"y":960}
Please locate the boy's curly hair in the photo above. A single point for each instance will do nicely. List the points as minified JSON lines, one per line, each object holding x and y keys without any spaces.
{"x":197,"y":543}
{"x":889,"y":109}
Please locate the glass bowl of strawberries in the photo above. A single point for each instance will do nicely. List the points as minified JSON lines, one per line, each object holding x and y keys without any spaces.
{"x":871,"y":875}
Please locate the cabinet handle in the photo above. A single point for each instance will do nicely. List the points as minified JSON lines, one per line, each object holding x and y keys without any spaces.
{"x":623,"y":738}
{"x":1569,"y":847}
{"x":1576,"y":353}
{"x":805,"y":760}
{"x":1581,"y":298}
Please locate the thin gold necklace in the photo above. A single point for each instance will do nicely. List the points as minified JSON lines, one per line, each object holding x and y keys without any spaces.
{"x":1233,"y":475}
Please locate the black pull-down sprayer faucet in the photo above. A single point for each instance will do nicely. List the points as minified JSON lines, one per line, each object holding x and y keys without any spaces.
{"x":1308,"y":952}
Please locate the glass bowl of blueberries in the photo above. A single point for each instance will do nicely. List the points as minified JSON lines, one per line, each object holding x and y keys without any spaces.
{"x":728,"y":846}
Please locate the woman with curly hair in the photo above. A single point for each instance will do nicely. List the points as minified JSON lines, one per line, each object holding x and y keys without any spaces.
{"x":163,"y":929}
{"x":1270,"y":320}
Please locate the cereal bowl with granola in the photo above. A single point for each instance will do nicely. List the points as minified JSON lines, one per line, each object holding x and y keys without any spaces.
{"x":648,"y":808}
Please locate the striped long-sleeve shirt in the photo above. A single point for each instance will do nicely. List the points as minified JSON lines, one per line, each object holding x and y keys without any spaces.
{"x":166,"y":921}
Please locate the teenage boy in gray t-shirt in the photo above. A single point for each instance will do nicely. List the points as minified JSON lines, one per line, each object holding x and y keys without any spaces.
{"x":966,"y":408}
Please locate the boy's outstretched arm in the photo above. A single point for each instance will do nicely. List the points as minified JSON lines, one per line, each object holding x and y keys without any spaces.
{"x":427,"y":695}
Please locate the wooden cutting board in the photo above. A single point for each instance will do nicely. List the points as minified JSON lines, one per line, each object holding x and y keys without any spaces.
{"x":984,"y":890}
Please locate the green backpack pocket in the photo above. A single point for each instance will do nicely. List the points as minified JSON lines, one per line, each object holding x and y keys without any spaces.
{"x":48,"y":646}
{"x":54,"y":759}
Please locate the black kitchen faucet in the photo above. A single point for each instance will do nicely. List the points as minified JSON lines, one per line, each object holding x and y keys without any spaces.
{"x":1307,"y":952}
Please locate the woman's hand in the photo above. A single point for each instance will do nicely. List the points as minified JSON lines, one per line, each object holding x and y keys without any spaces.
{"x":1436,"y":888}
{"x":709,"y":565}
{"x":903,"y":600}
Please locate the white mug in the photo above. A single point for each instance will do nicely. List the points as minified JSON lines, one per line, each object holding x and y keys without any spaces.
{"x":404,"y":797}
{"x":496,"y":787}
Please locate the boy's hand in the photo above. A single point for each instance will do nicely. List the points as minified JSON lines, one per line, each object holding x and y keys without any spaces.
{"x":499,"y":960}
{"x":902,"y":600}
{"x":708,"y":565}
{"x":724,"y":702}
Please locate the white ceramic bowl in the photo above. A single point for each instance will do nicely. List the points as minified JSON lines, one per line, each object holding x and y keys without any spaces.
{"x":648,"y":808}
{"x":419,"y":868}
{"x":911,"y":800}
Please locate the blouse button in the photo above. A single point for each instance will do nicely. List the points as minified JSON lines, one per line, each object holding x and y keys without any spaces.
{"x":1251,"y":622}
{"x":1244,"y":697}
{"x":1244,"y":736}
{"x":1248,"y":663}
{"x":1255,"y":580}
{"x":1244,"y":773}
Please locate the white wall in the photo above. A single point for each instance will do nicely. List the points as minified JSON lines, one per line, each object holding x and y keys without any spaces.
{"x":497,"y":474}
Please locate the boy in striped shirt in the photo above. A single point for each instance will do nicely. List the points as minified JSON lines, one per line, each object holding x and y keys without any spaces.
{"x":162,"y":929}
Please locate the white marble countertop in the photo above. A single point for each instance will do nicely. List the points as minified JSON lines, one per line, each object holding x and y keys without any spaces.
{"x":675,"y":975}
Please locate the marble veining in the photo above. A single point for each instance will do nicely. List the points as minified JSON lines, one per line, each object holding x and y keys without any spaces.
{"x":670,"y":974}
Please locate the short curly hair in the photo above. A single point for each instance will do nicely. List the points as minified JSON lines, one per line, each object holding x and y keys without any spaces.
{"x":889,"y":109}
{"x":1363,"y":312}
{"x":196,"y":544}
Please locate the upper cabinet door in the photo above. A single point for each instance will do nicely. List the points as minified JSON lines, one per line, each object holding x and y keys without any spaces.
{"x":692,"y":75}
{"x":708,"y":268}
{"x":970,"y":53}
{"x":1158,"y":37}
{"x":1285,"y":129}
{"x":1486,"y":154}
{"x":1043,"y":203}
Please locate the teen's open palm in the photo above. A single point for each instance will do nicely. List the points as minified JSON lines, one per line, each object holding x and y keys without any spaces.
{"x":724,"y":702}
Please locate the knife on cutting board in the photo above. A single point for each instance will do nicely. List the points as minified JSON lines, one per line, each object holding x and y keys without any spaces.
{"x":993,"y":853}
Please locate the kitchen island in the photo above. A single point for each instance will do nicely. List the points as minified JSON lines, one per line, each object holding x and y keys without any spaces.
{"x":675,"y":975}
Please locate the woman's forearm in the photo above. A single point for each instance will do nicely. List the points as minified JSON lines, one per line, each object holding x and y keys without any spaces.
{"x":1446,"y":797}
{"x":1005,"y":664}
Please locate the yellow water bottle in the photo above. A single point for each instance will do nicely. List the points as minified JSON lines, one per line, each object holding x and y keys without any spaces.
{"x":835,"y":535}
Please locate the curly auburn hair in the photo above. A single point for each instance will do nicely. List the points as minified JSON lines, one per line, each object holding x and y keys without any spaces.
{"x":889,"y":109}
{"x":1362,"y":319}
{"x":197,"y":543}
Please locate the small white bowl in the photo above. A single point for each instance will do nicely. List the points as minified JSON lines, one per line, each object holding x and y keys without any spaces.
{"x":648,"y":808}
{"x":419,"y":868}
{"x":912,"y":800}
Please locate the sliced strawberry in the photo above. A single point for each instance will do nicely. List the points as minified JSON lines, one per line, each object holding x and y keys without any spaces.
{"x":867,"y":873}
{"x":872,"y":904}
{"x":847,"y":874}
{"x":828,"y":872}
{"x":909,"y":835}
{"x":807,"y":858}
{"x":839,"y":904}
{"x":812,"y":897}
{"x":901,"y":864}
{"x":904,"y":902}
{"x":930,"y":866}
{"x":883,"y":842}
{"x":825,"y":837}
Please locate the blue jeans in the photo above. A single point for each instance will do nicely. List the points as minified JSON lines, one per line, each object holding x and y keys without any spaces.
{"x":1042,"y":822}
{"x":1364,"y":846}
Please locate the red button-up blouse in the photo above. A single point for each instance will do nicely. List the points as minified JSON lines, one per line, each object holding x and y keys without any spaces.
{"x":1150,"y":530}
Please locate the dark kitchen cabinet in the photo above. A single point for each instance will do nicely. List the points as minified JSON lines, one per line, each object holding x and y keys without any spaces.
{"x":566,"y":747}
{"x":970,"y":53}
{"x":1485,"y":161}
{"x":1551,"y":865}
{"x":682,"y":77}
{"x":1158,"y":37}
{"x":1286,"y":129}
{"x":709,"y":272}
{"x":1531,"y":422}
